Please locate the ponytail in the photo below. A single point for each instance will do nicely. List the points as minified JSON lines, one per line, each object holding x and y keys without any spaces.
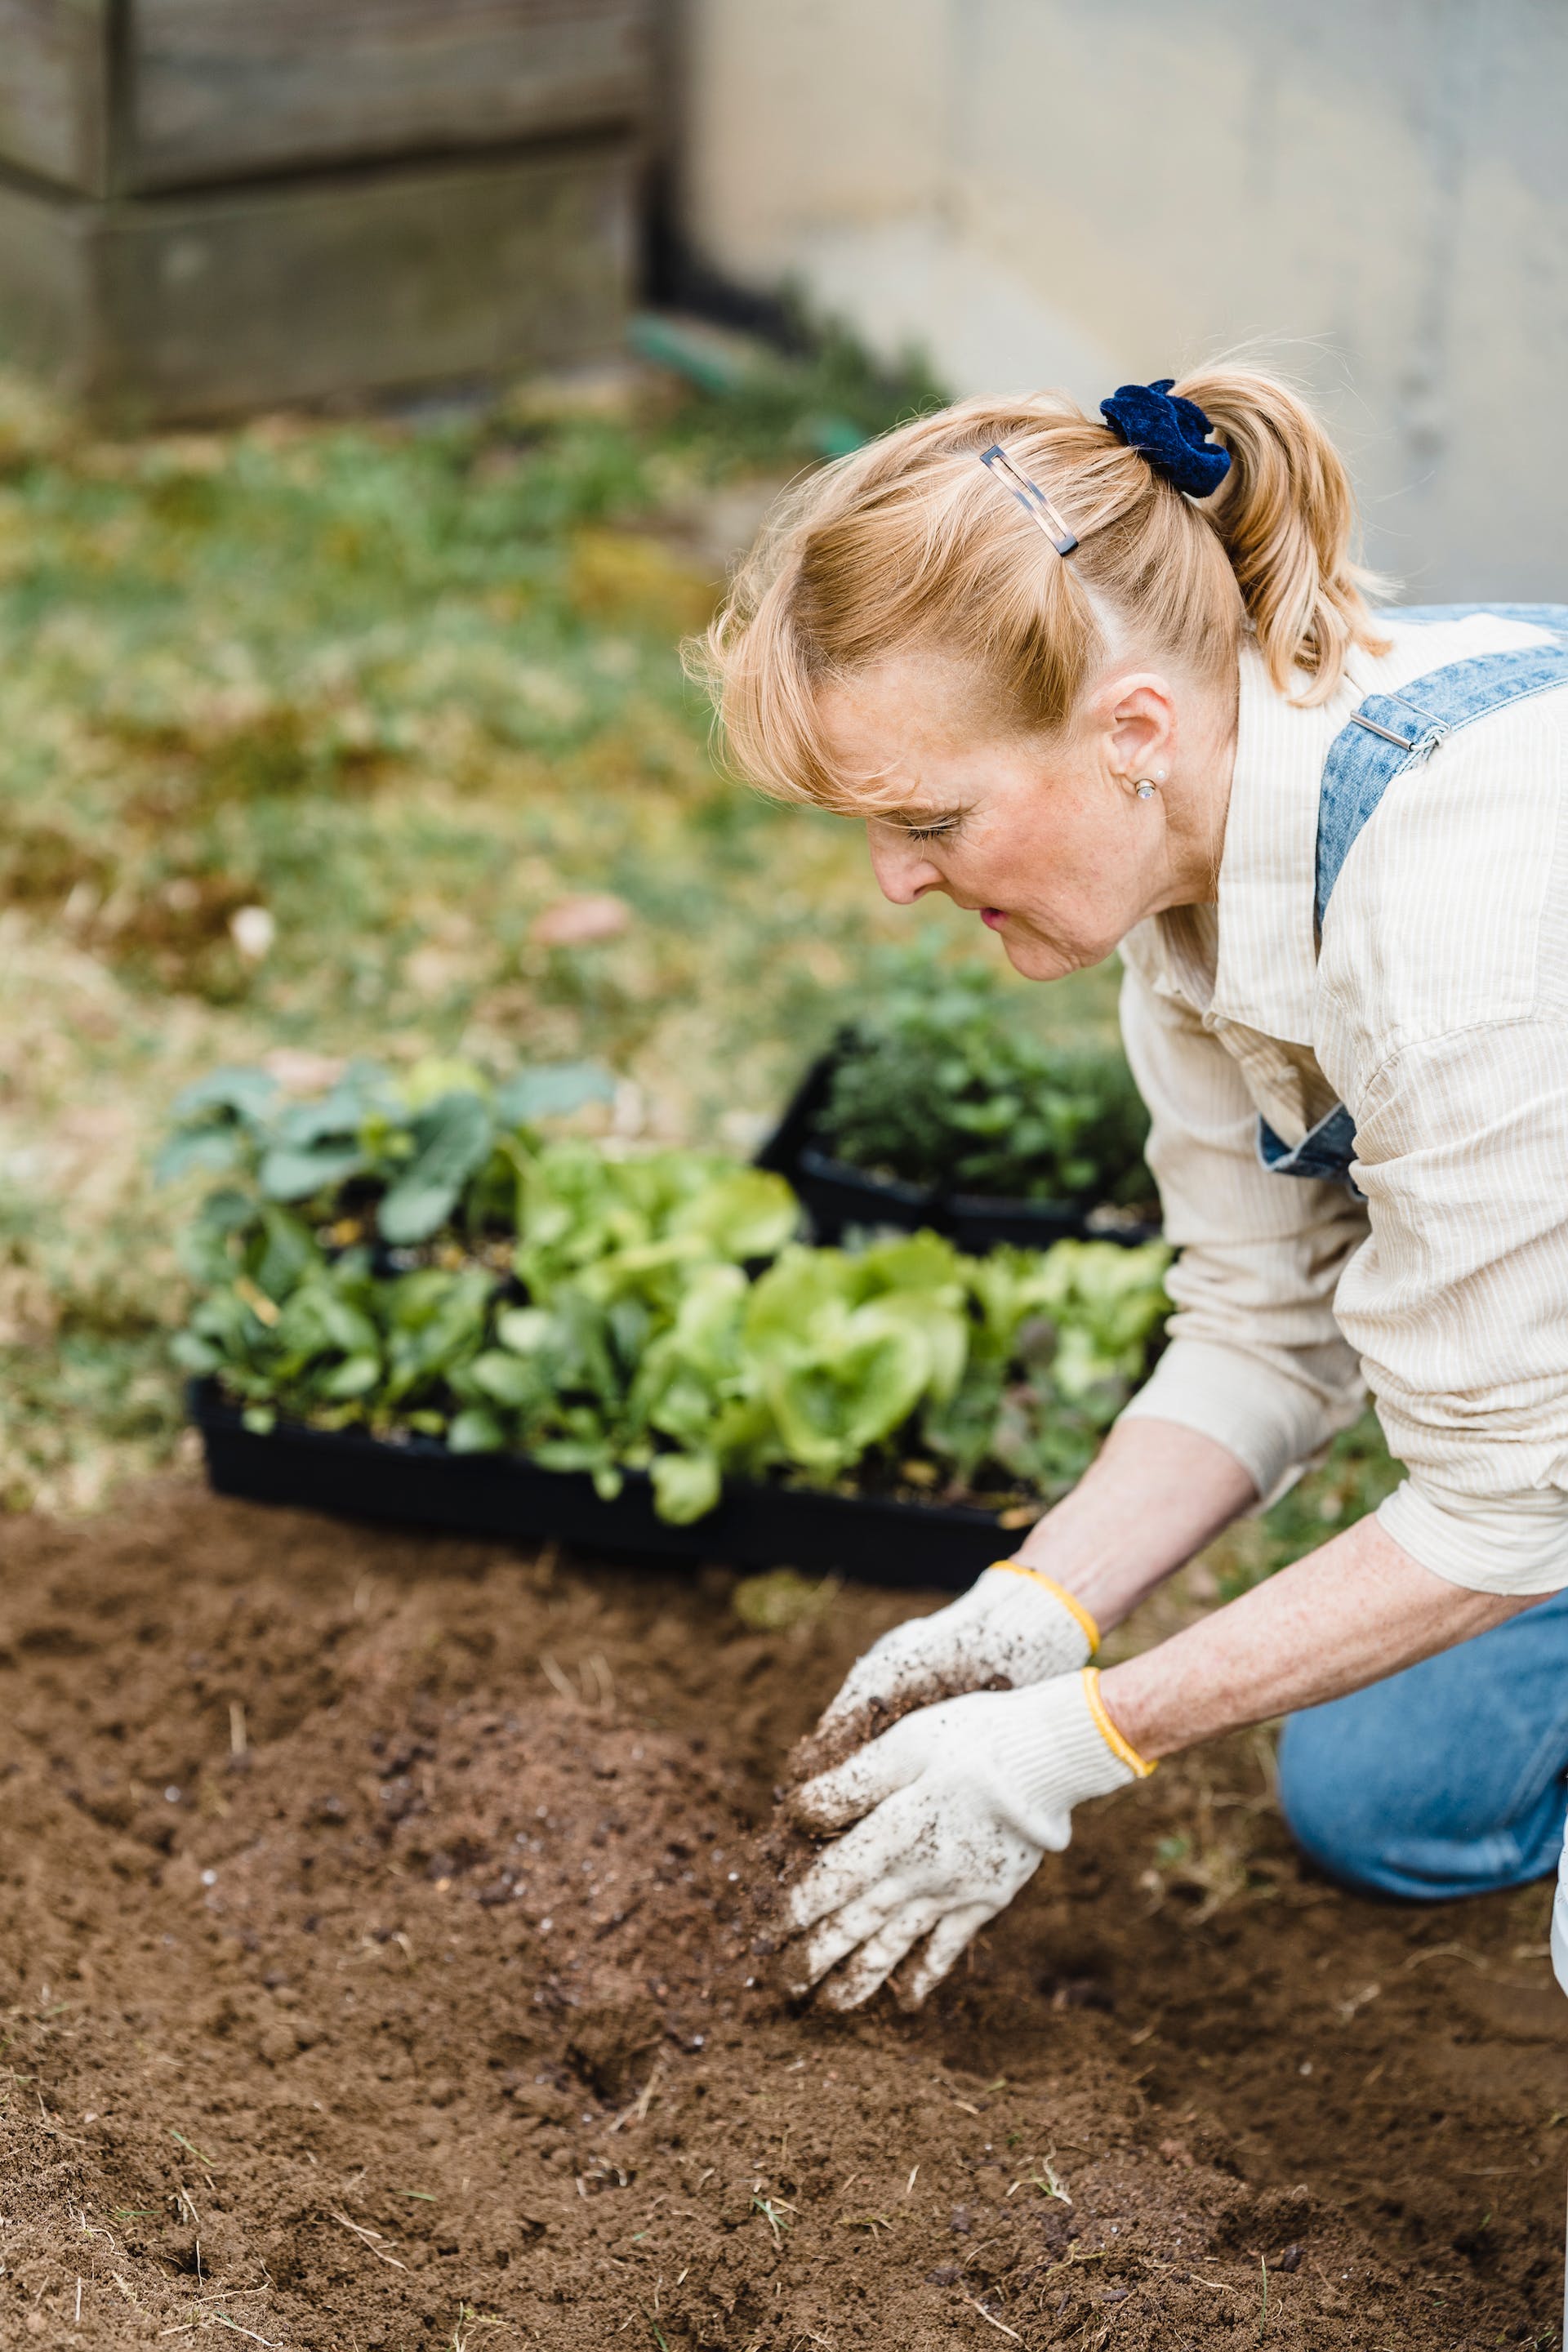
{"x":1286,"y":516}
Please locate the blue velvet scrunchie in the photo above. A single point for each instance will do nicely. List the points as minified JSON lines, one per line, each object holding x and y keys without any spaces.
{"x":1170,"y":432}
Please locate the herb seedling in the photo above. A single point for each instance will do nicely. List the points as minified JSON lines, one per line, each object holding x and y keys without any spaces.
{"x":944,"y":1084}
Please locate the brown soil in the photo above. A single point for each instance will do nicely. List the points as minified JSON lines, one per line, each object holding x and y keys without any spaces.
{"x":375,"y":1977}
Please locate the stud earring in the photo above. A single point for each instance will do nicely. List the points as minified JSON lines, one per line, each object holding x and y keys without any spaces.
{"x":1144,"y":792}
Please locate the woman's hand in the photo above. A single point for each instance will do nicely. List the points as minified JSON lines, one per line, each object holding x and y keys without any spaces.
{"x":1155,"y":1495}
{"x":958,"y":1802}
{"x":1012,"y":1626}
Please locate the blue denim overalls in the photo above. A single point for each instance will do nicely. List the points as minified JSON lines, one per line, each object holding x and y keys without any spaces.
{"x":1390,"y":733}
{"x":1448,"y":1779}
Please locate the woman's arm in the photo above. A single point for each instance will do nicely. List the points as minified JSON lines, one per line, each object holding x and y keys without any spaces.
{"x":954,"y":1808}
{"x":1257,"y":1362}
{"x":1155,"y":1495}
{"x":1352,"y":1612}
{"x":1356,"y":1609}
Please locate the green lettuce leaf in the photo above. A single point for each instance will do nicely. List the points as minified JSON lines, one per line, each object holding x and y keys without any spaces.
{"x":686,"y":1487}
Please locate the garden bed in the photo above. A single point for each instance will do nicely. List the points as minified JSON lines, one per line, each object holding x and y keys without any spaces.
{"x":375,"y":1977}
{"x":368,"y":1940}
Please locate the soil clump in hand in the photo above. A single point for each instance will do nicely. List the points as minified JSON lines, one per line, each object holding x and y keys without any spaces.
{"x":824,"y":1747}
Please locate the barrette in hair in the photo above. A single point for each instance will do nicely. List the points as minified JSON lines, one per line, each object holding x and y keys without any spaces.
{"x":1030,"y":496}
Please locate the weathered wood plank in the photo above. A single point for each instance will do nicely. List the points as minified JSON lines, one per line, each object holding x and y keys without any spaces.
{"x":53,"y":89}
{"x":47,"y":310}
{"x":219,"y":89}
{"x":198,"y":306}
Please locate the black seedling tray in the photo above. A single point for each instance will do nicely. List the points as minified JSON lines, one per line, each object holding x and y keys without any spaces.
{"x":839,"y":1196}
{"x":418,"y":1481}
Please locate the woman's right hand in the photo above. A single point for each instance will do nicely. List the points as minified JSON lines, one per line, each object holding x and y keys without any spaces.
{"x":952,"y":1809}
{"x":1012,"y":1626}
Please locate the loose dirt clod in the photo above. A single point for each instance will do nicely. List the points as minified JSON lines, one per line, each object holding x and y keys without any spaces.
{"x":438,"y":2015}
{"x":821,"y":1750}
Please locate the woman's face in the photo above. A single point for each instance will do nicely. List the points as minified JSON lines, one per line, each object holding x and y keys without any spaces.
{"x":1042,"y":839}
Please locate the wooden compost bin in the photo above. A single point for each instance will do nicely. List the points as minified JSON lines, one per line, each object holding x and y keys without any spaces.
{"x":206,"y":204}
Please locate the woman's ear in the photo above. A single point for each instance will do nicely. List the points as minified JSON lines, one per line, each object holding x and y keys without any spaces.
{"x":1137,"y":720}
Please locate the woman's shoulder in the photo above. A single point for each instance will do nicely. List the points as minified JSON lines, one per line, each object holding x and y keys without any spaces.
{"x":1483,"y":691}
{"x":1424,"y":638}
{"x":1451,"y":908}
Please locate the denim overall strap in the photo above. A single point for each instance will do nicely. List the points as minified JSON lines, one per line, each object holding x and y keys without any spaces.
{"x":1389,"y":734}
{"x":1393,"y":732}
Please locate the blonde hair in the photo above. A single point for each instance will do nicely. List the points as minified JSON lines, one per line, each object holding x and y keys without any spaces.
{"x":910,"y":544}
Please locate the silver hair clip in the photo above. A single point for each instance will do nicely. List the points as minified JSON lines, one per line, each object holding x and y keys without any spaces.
{"x":1030,"y":496}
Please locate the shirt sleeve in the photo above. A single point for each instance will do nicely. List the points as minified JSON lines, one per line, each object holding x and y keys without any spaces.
{"x":1458,"y":1304}
{"x":1257,"y":1360}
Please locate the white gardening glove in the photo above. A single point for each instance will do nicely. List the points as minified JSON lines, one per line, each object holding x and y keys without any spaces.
{"x":1013,"y":1624}
{"x":960,"y":1802}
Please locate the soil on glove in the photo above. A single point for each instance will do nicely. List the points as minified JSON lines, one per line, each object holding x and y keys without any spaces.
{"x":374,"y":1937}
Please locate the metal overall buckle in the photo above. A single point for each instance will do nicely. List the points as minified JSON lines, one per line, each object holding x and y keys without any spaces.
{"x":1423,"y":743}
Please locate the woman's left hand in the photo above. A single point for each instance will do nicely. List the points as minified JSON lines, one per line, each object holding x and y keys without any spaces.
{"x":953,"y":1809}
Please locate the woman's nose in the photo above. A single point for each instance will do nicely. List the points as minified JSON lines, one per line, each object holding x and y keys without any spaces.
{"x":903,"y":871}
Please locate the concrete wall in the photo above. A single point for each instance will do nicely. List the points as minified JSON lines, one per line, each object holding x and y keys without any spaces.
{"x":1077,"y":191}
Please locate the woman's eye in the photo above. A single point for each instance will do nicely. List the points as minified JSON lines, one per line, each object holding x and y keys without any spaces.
{"x":942,"y":831}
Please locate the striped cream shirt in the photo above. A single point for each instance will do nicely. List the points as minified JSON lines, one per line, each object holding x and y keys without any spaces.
{"x":1438,"y":1011}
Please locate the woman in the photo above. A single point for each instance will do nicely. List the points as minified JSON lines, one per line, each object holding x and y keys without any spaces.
{"x":1117,"y":683}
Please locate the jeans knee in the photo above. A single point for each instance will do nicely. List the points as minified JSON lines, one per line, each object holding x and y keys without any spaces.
{"x":1446,"y":1779}
{"x":1375,"y":1814}
{"x":1324,"y":1799}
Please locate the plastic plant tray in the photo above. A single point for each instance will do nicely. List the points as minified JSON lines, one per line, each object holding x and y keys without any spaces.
{"x":839,"y":1196}
{"x":418,"y":1481}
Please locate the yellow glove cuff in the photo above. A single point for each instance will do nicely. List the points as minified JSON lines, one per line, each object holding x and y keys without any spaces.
{"x":1074,"y":1608}
{"x":1140,"y":1765}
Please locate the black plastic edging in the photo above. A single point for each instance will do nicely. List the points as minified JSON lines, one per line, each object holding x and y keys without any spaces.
{"x":418,"y":1481}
